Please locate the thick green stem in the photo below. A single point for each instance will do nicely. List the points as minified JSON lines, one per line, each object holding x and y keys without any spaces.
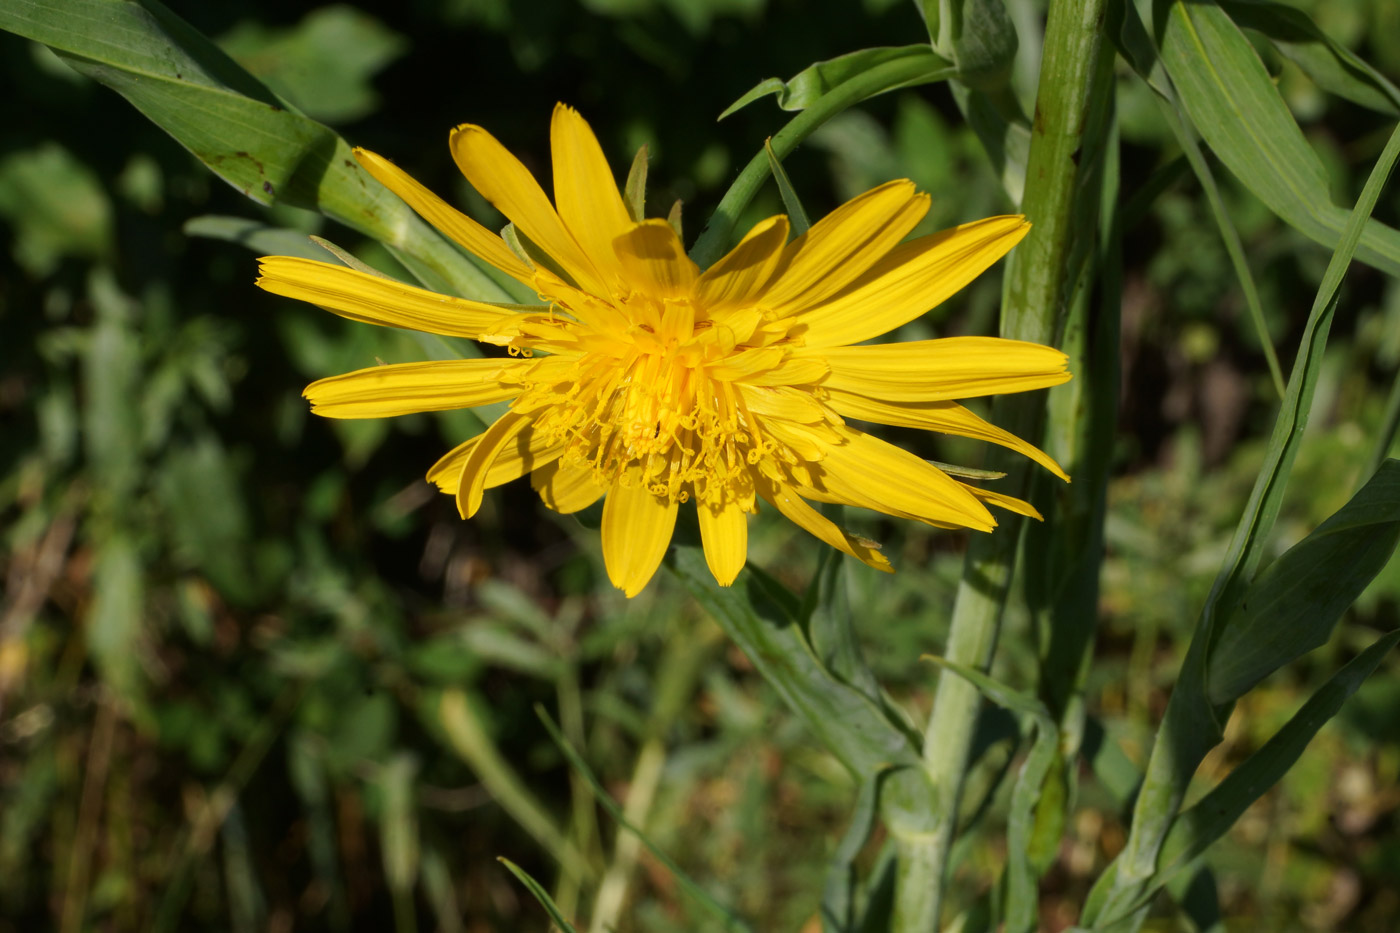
{"x":1034,"y":309}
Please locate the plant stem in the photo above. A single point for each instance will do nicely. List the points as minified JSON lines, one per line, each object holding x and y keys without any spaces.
{"x":1033,"y":310}
{"x":902,"y":72}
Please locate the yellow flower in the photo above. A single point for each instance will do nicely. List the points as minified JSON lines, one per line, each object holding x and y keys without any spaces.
{"x":659,"y":383}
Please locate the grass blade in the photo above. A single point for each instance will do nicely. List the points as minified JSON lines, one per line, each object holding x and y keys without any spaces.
{"x":541,"y":895}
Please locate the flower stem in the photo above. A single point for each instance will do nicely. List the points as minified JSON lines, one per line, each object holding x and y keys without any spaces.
{"x":1034,"y":309}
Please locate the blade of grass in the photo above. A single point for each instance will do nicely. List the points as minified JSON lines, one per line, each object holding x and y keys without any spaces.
{"x":541,"y":895}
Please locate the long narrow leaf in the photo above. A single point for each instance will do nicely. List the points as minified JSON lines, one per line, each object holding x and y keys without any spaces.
{"x":1294,"y":605}
{"x":1236,"y":108}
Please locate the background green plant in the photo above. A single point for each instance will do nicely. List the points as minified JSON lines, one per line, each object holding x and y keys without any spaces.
{"x":255,"y":674}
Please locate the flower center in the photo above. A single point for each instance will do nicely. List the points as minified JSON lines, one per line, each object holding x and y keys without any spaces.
{"x":651,"y":400}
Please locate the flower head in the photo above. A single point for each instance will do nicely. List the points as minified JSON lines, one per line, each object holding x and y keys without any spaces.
{"x":655,"y":383}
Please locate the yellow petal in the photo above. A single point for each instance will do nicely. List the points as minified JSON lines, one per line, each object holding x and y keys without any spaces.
{"x":786,"y":500}
{"x":944,"y":417}
{"x":653,"y":260}
{"x":783,"y":402}
{"x":529,"y":453}
{"x":507,"y":184}
{"x":482,"y":456}
{"x":844,"y":244}
{"x":743,"y":272}
{"x":724,"y":533}
{"x":1002,"y":500}
{"x":872,"y":474}
{"x":911,"y":279}
{"x":938,"y":370}
{"x":637,"y":528}
{"x":791,"y":371}
{"x":566,"y":487}
{"x":374,"y":300}
{"x":477,"y":239}
{"x":404,"y":388}
{"x":745,"y":363}
{"x":584,"y":188}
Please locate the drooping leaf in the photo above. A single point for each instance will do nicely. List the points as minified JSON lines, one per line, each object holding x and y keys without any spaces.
{"x":1193,"y":724}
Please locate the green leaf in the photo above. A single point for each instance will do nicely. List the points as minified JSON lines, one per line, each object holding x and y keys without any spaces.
{"x":466,"y":735}
{"x":207,"y":515}
{"x":1247,"y":545}
{"x":1332,"y":66}
{"x":977,"y":35}
{"x":727,"y":918}
{"x":634,"y":193}
{"x":1293,"y":606}
{"x":235,"y":125}
{"x":261,"y":238}
{"x":849,"y":723}
{"x":113,"y":626}
{"x":540,"y":894}
{"x":901,"y":71}
{"x":1195,"y":829}
{"x":1235,"y":106}
{"x":1199,"y":898}
{"x":808,"y":85}
{"x":797,"y":215}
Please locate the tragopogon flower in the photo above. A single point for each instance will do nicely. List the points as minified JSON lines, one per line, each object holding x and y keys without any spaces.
{"x":658,"y":383}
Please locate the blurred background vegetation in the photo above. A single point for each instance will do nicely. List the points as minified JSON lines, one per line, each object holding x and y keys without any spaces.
{"x":255,"y":674}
